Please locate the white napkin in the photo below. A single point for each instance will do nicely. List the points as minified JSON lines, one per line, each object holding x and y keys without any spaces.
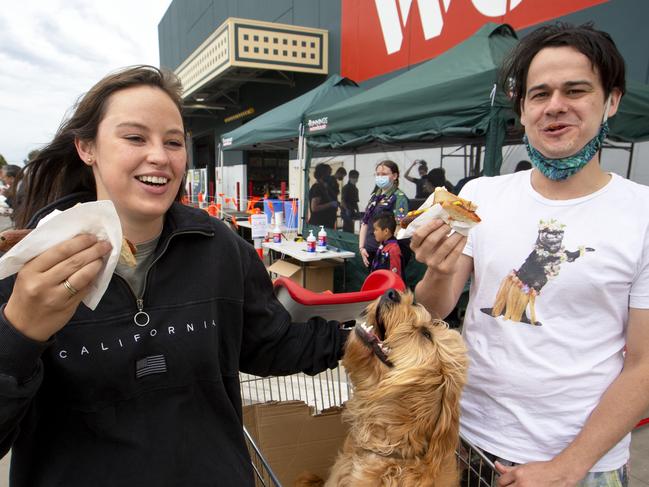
{"x":435,"y":211}
{"x":97,"y":217}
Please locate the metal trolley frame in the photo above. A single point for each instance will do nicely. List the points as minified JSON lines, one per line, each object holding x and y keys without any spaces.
{"x":328,"y":389}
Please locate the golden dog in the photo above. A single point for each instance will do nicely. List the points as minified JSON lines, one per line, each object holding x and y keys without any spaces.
{"x":408,"y":372}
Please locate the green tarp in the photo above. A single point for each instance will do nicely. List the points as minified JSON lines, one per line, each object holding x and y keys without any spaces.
{"x":280,"y":126}
{"x":631,"y":123}
{"x":447,"y":97}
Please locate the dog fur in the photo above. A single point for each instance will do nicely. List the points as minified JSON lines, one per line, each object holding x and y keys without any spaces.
{"x":404,"y":413}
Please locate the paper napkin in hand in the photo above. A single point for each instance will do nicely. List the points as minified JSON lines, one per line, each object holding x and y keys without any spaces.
{"x":97,"y":217}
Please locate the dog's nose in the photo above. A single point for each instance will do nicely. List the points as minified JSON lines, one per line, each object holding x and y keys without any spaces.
{"x":391,"y":296}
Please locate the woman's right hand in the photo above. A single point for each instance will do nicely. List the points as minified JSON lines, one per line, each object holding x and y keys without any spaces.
{"x":40,"y":303}
{"x":365,"y":256}
{"x":433,"y":246}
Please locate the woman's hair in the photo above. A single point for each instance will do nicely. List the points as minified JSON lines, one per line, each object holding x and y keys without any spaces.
{"x":595,"y":44}
{"x":393,"y":167}
{"x":58,"y":170}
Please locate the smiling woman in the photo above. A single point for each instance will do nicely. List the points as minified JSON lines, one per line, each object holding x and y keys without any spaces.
{"x":75,"y":383}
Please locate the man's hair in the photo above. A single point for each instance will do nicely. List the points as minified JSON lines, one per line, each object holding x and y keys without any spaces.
{"x":523,"y":165}
{"x":385,"y":220}
{"x":353,"y":173}
{"x":341,"y":171}
{"x":322,"y":170}
{"x":11,"y":170}
{"x":596,"y":45}
{"x":437,"y":176}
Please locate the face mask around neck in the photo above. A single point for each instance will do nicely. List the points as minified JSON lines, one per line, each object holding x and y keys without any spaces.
{"x":562,"y":168}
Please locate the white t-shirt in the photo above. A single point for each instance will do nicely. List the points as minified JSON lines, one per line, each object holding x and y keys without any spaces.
{"x":531,"y":388}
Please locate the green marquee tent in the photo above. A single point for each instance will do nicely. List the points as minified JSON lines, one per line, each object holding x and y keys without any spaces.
{"x":451,"y":97}
{"x":631,"y":122}
{"x":280,"y":127}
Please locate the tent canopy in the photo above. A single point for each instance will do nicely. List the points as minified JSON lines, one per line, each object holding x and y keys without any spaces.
{"x":631,"y":122}
{"x":453,"y":96}
{"x":448,"y":100}
{"x":279,"y":127}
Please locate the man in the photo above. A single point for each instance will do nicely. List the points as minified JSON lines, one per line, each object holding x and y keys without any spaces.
{"x":349,"y":202}
{"x":560,"y":284}
{"x":523,"y":166}
{"x":420,"y":192}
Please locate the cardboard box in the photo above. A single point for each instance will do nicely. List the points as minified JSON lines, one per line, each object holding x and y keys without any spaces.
{"x":293,"y":440}
{"x":319,"y":275}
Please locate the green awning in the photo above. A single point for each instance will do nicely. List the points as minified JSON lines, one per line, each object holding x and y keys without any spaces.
{"x":280,"y":126}
{"x":449,"y":97}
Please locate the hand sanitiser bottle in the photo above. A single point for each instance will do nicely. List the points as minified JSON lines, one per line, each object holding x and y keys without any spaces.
{"x":322,"y":239}
{"x":277,"y":232}
{"x":310,"y":242}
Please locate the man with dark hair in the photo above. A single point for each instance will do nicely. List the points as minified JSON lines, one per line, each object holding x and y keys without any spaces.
{"x":349,"y":202}
{"x":420,"y":182}
{"x":560,"y":286}
{"x":322,"y":202}
{"x":523,"y":166}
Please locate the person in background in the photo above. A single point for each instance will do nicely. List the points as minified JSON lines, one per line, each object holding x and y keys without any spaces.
{"x":144,"y":390}
{"x":322,"y":201}
{"x":460,"y":184}
{"x":349,"y":202}
{"x":523,"y":166}
{"x":388,"y":255}
{"x":386,"y":197}
{"x":10,"y":176}
{"x":557,"y":324}
{"x":421,"y":180}
{"x":437,"y":177}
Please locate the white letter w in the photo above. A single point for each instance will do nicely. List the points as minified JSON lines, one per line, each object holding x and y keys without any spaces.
{"x":392,"y":26}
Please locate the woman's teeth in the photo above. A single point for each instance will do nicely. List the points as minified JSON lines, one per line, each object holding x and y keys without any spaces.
{"x":153,"y":179}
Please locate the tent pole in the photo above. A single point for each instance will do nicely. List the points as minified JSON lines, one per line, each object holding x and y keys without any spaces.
{"x":300,"y":156}
{"x":221,"y":184}
{"x":630,"y":163}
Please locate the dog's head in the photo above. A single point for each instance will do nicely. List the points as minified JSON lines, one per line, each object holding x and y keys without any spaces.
{"x":408,"y":371}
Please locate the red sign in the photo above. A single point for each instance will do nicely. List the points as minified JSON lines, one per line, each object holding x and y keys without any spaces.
{"x":380,"y":36}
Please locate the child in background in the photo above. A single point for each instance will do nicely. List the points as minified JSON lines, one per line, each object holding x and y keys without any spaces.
{"x":388,"y":256}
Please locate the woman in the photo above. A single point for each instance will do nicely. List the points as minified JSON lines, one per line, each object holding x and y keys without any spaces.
{"x":100,"y":398}
{"x":386,"y":197}
{"x":322,"y":199}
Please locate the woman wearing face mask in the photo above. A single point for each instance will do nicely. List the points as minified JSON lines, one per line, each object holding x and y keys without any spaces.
{"x":386,"y":197}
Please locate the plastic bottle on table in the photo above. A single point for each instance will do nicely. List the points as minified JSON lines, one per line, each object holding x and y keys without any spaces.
{"x":310,"y":242}
{"x":322,"y":239}
{"x":277,"y":232}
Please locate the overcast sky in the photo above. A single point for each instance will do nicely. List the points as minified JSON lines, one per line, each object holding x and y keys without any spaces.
{"x":52,"y":51}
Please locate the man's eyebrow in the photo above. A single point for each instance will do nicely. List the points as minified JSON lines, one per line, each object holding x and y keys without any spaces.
{"x":567,"y":84}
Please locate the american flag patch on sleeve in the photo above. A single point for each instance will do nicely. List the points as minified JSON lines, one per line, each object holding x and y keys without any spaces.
{"x":153,"y":364}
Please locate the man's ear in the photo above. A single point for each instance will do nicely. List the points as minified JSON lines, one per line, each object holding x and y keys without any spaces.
{"x":86,"y":151}
{"x":616,"y":97}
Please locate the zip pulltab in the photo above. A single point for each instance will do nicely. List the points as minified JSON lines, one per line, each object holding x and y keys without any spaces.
{"x":141,"y":318}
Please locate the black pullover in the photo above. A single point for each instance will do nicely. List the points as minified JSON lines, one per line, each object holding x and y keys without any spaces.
{"x":108,"y":403}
